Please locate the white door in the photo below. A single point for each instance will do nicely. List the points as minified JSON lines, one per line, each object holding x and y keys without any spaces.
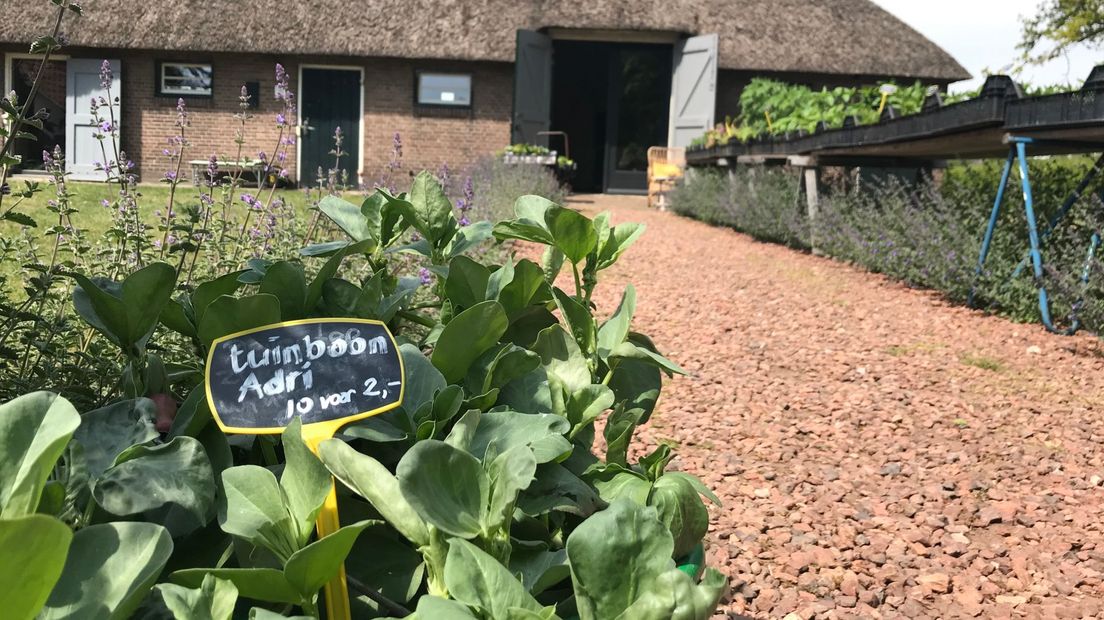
{"x":83,"y":82}
{"x":532,"y":88}
{"x":693,"y":88}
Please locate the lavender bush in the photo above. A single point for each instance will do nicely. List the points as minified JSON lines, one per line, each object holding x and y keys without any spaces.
{"x":924,"y":234}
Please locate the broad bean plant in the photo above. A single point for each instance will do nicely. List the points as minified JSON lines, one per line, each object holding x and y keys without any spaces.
{"x":481,"y":496}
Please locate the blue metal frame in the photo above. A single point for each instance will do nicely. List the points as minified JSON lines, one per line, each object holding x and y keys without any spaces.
{"x":1017,"y":153}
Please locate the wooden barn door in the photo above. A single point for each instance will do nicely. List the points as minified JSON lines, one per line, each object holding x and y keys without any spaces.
{"x":82,"y":83}
{"x":693,"y":88}
{"x":532,"y":88}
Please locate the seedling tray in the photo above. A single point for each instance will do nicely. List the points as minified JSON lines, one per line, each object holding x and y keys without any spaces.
{"x":1061,"y":111}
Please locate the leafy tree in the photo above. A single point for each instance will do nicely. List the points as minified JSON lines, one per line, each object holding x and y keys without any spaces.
{"x":1059,"y":26}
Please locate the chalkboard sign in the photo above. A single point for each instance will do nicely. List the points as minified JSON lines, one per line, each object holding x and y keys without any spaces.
{"x":321,"y":370}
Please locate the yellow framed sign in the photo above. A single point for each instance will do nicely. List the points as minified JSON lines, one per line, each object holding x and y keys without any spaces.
{"x":328,"y":372}
{"x":324,"y":371}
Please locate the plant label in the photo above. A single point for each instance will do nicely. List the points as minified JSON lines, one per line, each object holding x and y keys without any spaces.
{"x":331,"y":371}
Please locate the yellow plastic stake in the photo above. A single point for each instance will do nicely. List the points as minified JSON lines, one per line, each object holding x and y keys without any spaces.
{"x":337,"y":590}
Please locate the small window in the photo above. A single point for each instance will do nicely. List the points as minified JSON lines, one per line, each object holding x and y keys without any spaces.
{"x":187,"y":79}
{"x":447,"y":89}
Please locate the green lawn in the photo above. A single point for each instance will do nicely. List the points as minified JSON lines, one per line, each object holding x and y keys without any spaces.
{"x":96,"y":219}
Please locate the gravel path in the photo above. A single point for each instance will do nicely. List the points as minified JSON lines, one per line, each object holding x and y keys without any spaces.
{"x":879,"y":453}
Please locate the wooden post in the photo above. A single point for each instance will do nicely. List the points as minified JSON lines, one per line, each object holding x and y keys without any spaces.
{"x":808,"y":166}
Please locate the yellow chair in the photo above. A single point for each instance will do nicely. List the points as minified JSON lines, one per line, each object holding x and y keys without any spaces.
{"x":666,"y":165}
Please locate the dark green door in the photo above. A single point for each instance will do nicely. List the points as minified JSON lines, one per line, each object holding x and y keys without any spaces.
{"x":639,"y":104}
{"x":330,"y":99}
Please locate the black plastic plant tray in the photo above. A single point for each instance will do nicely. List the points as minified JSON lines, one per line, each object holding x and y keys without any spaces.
{"x":1064,"y":110}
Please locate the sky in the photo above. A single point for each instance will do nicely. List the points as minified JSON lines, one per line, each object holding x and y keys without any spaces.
{"x":982,"y":35}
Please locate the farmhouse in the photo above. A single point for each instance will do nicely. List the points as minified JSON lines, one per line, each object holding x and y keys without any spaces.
{"x":456,"y":79}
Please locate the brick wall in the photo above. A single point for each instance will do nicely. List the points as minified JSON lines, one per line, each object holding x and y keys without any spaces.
{"x":430,"y":136}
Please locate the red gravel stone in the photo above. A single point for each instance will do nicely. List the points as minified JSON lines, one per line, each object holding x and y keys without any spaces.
{"x":884,"y":454}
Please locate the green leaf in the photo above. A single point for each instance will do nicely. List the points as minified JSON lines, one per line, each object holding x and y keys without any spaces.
{"x":469,"y":236}
{"x":477,"y":579}
{"x":429,"y":210}
{"x":34,"y":430}
{"x":262,"y":584}
{"x":500,"y":279}
{"x":466,"y":284}
{"x":211,"y":290}
{"x":528,"y":393}
{"x":552,"y":262}
{"x":616,"y":329}
{"x":19,"y":218}
{"x":574,"y":233}
{"x":563,"y":361}
{"x":466,"y":337}
{"x":372,"y":481}
{"x":556,"y":488}
{"x":312,"y":566}
{"x":380,"y":557}
{"x":33,"y":549}
{"x":681,"y":509}
{"x":538,"y":567}
{"x":521,"y":290}
{"x":98,"y":303}
{"x":637,"y":384}
{"x":126,"y":313}
{"x":347,"y":216}
{"x":583,"y":406}
{"x":214,"y":599}
{"x":615,"y":482}
{"x":542,"y":433}
{"x":618,"y":433}
{"x":460,"y":437}
{"x":621,"y":237}
{"x":260,"y":613}
{"x":579,"y":321}
{"x":144,"y":478}
{"x":510,"y":473}
{"x":437,"y":608}
{"x":256,"y":511}
{"x":109,"y":571}
{"x":286,"y":282}
{"x":628,"y":350}
{"x":107,"y":431}
{"x":616,"y":556}
{"x":499,"y":366}
{"x":314,"y":290}
{"x":227,"y":315}
{"x":446,"y":486}
{"x":674,"y":596}
{"x":306,"y":481}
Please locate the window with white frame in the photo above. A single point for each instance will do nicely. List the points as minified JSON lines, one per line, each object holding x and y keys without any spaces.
{"x":188,"y":79}
{"x":445,"y":89}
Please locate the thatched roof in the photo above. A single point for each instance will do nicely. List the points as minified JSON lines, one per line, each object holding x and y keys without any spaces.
{"x":852,"y":37}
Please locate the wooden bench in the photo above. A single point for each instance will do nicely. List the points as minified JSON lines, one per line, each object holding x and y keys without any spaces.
{"x":255,"y":166}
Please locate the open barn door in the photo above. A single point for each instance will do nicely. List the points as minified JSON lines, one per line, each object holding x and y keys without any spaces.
{"x":532,"y":88}
{"x":82,"y":149}
{"x":693,"y":89}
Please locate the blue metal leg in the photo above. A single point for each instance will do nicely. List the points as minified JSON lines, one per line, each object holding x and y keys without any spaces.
{"x":1036,"y":251}
{"x":989,"y":230}
{"x":1064,"y":209}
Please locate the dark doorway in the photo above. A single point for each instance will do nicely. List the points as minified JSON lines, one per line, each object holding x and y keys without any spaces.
{"x":331,"y":98}
{"x":613,"y":101}
{"x":50,"y":97}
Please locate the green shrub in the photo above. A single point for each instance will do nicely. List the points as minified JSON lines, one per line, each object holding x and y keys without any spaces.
{"x":926,"y":234}
{"x":485,"y":474}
